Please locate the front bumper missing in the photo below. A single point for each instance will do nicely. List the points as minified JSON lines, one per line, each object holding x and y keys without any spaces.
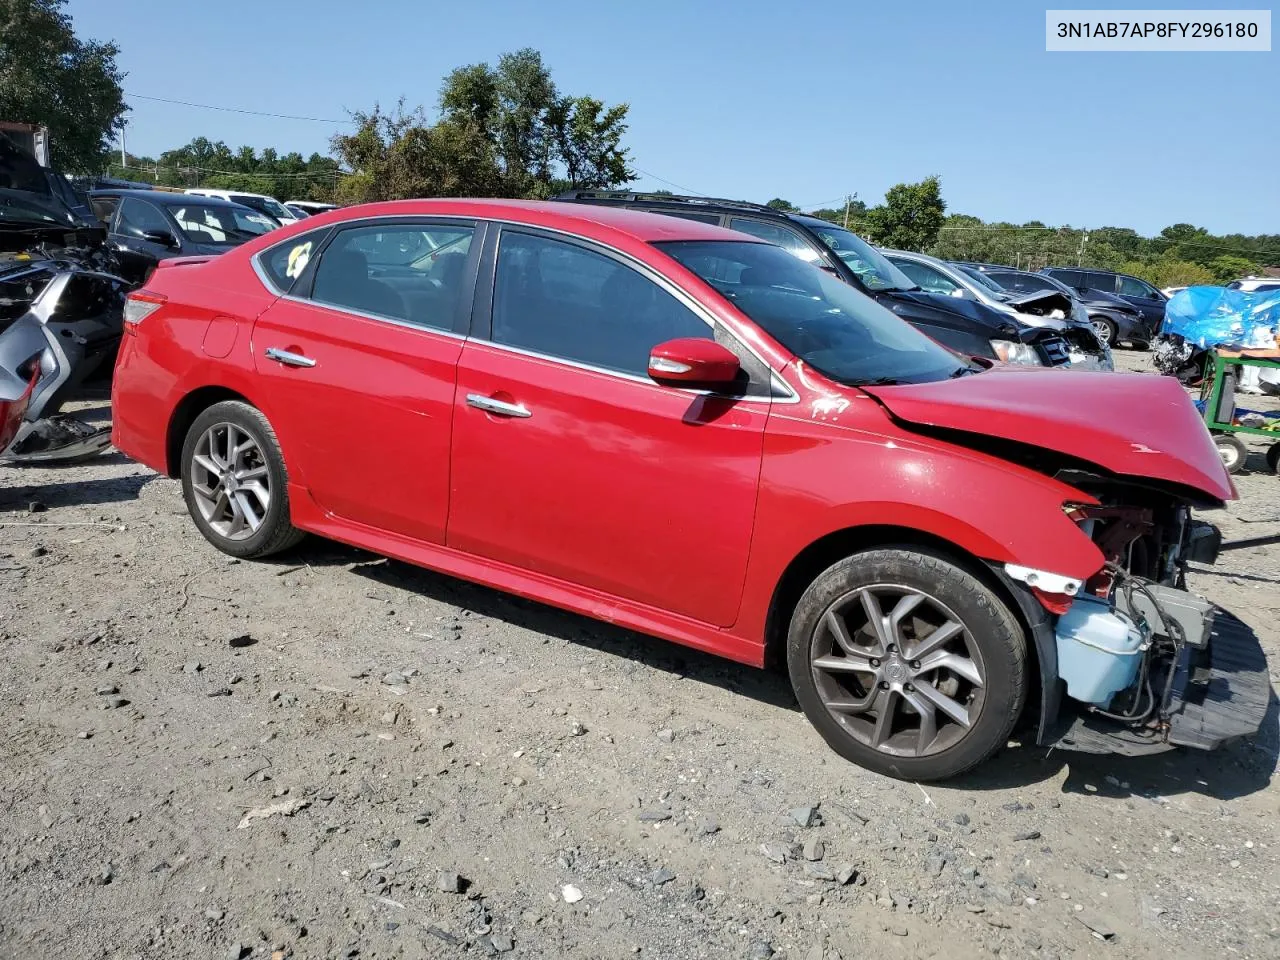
{"x":1220,"y":694}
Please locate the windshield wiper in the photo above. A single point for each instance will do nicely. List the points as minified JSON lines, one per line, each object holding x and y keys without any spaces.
{"x":876,"y":382}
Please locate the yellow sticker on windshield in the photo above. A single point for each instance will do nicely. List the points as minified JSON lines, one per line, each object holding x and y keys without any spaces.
{"x":299,"y":256}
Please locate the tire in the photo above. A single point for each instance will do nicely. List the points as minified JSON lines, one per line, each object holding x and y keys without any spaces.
{"x":1232,"y":451}
{"x":1273,"y":457}
{"x":262,"y":462}
{"x":990,"y":645}
{"x":1105,"y":331}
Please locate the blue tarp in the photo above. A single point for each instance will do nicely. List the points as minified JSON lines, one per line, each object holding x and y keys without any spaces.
{"x":1215,"y":316}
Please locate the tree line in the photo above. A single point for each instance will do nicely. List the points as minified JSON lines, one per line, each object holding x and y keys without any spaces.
{"x":508,"y":131}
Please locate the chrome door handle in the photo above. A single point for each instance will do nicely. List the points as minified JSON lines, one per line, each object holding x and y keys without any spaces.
{"x":289,"y":359}
{"x":490,"y":405}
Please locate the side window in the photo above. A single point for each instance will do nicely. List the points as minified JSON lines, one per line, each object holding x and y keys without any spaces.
{"x":1133,"y":287}
{"x":1106,"y":282}
{"x":284,"y":263}
{"x":566,"y":301}
{"x":104,"y":208}
{"x":408,"y":271}
{"x":138,"y":216}
{"x":928,"y":278}
{"x":711,"y":218}
{"x":1072,"y":278}
{"x":779,"y":236}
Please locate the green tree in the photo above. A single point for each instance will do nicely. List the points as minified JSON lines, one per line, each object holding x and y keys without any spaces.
{"x":1166,"y":272}
{"x":504,"y":131}
{"x":1227,"y":268}
{"x":786,"y":206}
{"x":49,"y":76}
{"x":910,"y":217}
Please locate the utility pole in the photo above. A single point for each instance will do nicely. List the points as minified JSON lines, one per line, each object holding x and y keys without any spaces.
{"x":1080,"y":252}
{"x":848,"y":202}
{"x":123,"y":162}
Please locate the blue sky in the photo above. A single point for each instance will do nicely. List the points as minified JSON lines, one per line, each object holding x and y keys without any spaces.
{"x":804,"y":100}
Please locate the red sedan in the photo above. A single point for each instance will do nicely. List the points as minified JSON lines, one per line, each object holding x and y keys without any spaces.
{"x":691,"y":433}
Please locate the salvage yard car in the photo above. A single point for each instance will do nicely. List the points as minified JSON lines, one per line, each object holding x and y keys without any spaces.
{"x":1051,"y":309}
{"x":61,"y":310}
{"x":694,"y":434}
{"x":147,"y":226}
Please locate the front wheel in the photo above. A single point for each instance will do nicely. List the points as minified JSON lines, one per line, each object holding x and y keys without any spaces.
{"x":235,"y":483}
{"x":1104,"y":330}
{"x":907,"y":664}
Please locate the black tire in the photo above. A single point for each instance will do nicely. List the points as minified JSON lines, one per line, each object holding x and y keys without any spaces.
{"x":277,"y":531}
{"x":1105,"y":331}
{"x":1232,"y":450}
{"x":990,"y":626}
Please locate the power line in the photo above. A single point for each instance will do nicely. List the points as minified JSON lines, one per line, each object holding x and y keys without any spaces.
{"x":669,"y":183}
{"x":255,"y":113}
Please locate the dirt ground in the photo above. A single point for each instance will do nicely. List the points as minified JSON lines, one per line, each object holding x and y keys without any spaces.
{"x":450,"y":767}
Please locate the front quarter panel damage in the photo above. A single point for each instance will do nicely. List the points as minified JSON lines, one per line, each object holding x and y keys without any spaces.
{"x":824,"y":474}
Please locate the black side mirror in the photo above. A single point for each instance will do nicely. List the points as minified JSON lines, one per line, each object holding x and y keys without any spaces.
{"x":163,"y":237}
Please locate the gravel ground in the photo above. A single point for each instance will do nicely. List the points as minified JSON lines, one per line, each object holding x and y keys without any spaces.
{"x":332,"y":755}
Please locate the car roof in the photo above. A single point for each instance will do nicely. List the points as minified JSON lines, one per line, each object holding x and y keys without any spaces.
{"x":637,"y":224}
{"x":164,"y":198}
{"x":219,"y":191}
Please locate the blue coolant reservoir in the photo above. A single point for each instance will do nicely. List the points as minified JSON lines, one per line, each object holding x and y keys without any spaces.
{"x":1099,"y":650}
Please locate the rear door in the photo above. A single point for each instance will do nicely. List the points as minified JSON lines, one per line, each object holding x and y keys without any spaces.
{"x":360,"y":360}
{"x":570,"y":462}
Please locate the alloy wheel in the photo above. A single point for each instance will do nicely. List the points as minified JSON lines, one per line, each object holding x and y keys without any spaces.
{"x":230,"y":481}
{"x":1102,"y":329}
{"x":898,"y":670}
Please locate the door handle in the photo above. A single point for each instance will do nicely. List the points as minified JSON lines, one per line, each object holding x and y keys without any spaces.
{"x":501,"y":408}
{"x":289,"y":359}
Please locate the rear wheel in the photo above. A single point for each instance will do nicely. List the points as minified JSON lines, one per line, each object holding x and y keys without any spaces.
{"x":1232,"y":451}
{"x":235,"y":483}
{"x":907,"y":664}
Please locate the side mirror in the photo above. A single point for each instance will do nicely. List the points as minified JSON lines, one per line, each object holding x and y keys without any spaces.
{"x":693,"y":362}
{"x":163,"y":237}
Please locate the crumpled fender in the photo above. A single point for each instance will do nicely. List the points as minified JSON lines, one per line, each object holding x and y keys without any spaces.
{"x":870,"y":472}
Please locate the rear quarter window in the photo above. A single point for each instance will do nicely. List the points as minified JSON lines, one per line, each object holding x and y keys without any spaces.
{"x":284,"y":263}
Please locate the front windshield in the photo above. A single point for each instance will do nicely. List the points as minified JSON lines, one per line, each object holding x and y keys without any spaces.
{"x":206,"y":223}
{"x":826,"y":323}
{"x":275,"y":208}
{"x":981,"y":278}
{"x":866,"y":261}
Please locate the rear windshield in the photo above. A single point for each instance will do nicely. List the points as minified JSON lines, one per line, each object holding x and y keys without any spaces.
{"x":206,"y":223}
{"x":823,"y":321}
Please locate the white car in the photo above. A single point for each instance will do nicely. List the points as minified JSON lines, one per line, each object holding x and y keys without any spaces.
{"x":258,"y":201}
{"x":310,"y":207}
{"x":1255,"y":284}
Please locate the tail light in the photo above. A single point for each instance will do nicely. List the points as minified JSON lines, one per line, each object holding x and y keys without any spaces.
{"x":140,"y":305}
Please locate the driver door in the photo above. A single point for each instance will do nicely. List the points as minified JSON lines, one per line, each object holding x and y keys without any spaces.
{"x":137,"y":253}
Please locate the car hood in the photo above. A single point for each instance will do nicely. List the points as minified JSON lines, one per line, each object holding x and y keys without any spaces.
{"x":1040,"y":303}
{"x":998,"y":323}
{"x":1130,"y":424}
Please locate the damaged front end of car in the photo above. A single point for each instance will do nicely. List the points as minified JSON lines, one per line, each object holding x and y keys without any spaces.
{"x":1130,"y":661}
{"x":60,"y":291}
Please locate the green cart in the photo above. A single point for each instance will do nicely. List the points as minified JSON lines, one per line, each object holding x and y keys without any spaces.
{"x":1218,"y":394}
